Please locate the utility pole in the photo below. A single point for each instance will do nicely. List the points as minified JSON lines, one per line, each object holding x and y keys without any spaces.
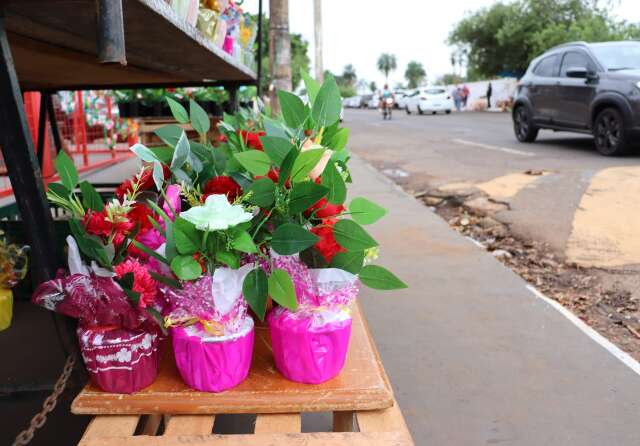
{"x":317,"y":22}
{"x":279,"y":50}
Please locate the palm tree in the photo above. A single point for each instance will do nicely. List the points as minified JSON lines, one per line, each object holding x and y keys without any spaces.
{"x":349,"y":75}
{"x":414,"y":74}
{"x":373,"y":87}
{"x":386,"y":64}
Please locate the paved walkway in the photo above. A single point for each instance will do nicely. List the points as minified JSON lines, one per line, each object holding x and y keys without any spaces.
{"x":474,"y":356}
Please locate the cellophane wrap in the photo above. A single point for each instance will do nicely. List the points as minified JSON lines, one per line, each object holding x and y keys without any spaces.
{"x":120,"y":360}
{"x":211,"y":332}
{"x":213,"y":363}
{"x":310,"y":344}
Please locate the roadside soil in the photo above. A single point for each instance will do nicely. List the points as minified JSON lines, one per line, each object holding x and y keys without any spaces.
{"x":601,"y":297}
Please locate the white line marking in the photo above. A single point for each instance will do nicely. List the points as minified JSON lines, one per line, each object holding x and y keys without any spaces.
{"x":624,"y":357}
{"x":490,"y":147}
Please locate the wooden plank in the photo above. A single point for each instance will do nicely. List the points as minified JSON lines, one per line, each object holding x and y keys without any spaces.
{"x":386,"y":420}
{"x":189,"y":425}
{"x":148,"y":24}
{"x":111,"y":426}
{"x":278,"y":423}
{"x":343,"y":421}
{"x":362,"y":385}
{"x":310,"y":439}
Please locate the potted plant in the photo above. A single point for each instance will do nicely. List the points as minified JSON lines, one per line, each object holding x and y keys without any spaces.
{"x":13,"y":268}
{"x":110,"y":286}
{"x":127,"y":101}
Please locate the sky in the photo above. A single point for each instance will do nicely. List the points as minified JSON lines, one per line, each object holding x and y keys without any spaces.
{"x":357,"y":31}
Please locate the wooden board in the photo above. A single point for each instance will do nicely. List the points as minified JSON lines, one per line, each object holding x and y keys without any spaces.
{"x":362,"y":385}
{"x":60,"y":36}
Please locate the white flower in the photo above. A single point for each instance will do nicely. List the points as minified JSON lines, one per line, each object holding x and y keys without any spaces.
{"x":216,"y":214}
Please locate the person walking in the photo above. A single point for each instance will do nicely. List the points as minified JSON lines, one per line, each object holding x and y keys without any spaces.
{"x":457,"y":98}
{"x":489,"y":92}
{"x":465,"y":95}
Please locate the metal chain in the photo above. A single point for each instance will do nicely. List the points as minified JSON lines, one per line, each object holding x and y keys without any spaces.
{"x":49,"y":404}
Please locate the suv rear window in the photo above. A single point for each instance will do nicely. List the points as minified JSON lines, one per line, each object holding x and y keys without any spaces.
{"x":547,"y":67}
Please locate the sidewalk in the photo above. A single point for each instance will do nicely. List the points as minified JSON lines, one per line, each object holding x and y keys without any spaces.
{"x":473,"y":355}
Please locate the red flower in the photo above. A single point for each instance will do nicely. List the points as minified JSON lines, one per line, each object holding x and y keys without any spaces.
{"x":140,"y":214}
{"x":222,"y":185}
{"x":222,"y":138}
{"x":143,"y":283}
{"x":274,"y":175}
{"x":96,"y":223}
{"x":145,"y":182}
{"x":327,"y":245}
{"x":324,"y":209}
{"x":252,"y":139}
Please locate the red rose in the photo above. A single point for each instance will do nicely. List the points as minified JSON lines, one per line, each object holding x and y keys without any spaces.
{"x":145,"y":183}
{"x":324,"y":209}
{"x":140,"y":213}
{"x":252,"y":139}
{"x":96,"y":223}
{"x":327,"y":245}
{"x":222,"y":185}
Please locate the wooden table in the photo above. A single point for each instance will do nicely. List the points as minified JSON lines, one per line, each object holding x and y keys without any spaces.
{"x":360,"y":399}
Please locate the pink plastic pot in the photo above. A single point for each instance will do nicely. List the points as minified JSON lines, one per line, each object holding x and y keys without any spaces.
{"x":120,"y":360}
{"x":305,"y":351}
{"x":213,"y":364}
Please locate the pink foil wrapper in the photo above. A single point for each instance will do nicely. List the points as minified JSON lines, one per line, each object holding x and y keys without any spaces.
{"x":213,"y":364}
{"x":305,"y":351}
{"x":120,"y":360}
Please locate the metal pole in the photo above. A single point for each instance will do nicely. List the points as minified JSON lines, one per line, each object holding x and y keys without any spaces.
{"x":42,"y":126}
{"x":55,"y":131}
{"x":317,"y":28}
{"x":279,"y":50}
{"x":259,"y":85}
{"x":111,"y":47}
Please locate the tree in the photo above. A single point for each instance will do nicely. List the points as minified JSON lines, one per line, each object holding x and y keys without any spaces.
{"x":373,"y":87}
{"x":386,"y":64}
{"x":414,"y":74}
{"x":299,"y":56}
{"x":505,"y":37}
{"x":349,"y":76}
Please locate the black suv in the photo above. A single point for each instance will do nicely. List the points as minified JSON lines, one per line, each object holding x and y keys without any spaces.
{"x":583,"y":87}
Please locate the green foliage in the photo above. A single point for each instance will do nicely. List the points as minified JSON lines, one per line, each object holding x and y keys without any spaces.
{"x":349,"y":261}
{"x":304,"y":163}
{"x":291,"y":238}
{"x":351,"y":236}
{"x":255,"y":289}
{"x":305,"y":195}
{"x":186,"y":268}
{"x":67,"y":171}
{"x":178,"y":111}
{"x":281,"y":289}
{"x":262,"y":192}
{"x":91,"y":199}
{"x":414,"y":74}
{"x":507,"y":36}
{"x":255,"y":161}
{"x":380,"y":278}
{"x":387,"y":63}
{"x":366,"y":212}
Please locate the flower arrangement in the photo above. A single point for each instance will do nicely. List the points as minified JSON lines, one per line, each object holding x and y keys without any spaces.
{"x":13,"y":267}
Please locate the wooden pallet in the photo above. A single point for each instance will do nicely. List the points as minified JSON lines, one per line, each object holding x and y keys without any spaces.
{"x":364,"y":428}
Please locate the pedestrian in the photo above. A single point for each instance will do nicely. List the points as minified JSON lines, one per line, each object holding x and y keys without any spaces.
{"x":457,"y":98}
{"x":489,"y":92}
{"x":465,"y":95}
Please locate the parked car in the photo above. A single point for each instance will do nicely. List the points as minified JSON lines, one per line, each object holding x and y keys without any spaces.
{"x":374,"y":101}
{"x":430,"y":100}
{"x":402,"y":100}
{"x":583,"y":87}
{"x":352,"y":102}
{"x":364,"y":100}
{"x":397,"y":94}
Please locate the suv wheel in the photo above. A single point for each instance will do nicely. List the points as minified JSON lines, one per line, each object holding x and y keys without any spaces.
{"x":608,"y":131}
{"x":523,"y":126}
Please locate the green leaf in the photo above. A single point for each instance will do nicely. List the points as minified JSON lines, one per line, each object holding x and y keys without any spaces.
{"x":255,"y":161}
{"x":91,"y":199}
{"x":339,"y":140}
{"x":281,"y":289}
{"x":170,"y":249}
{"x":243,"y":242}
{"x":178,"y":111}
{"x":327,"y":106}
{"x":290,"y":238}
{"x":276,"y":148}
{"x":274,"y":128}
{"x":199,"y":118}
{"x":163,"y":154}
{"x":228,"y":258}
{"x":287,"y":166}
{"x":304,"y":195}
{"x":366,"y":212}
{"x":255,"y":290}
{"x":59,"y":189}
{"x":350,"y":261}
{"x":90,"y":246}
{"x":144,"y":153}
{"x":263,"y":192}
{"x":170,"y":134}
{"x":150,"y":252}
{"x":351,"y":236}
{"x":165,"y":280}
{"x":293,"y":109}
{"x":186,"y":268}
{"x":311,"y":86}
{"x":155,"y":314}
{"x":379,"y":278}
{"x":304,"y":163}
{"x":158,"y":175}
{"x":67,"y":171}
{"x":332,"y":179}
{"x":188,"y":239}
{"x":181,"y":152}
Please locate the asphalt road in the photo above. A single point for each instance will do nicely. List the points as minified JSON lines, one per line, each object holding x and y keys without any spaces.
{"x":584,"y":206}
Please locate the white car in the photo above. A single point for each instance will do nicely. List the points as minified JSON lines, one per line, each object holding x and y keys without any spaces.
{"x":430,"y":100}
{"x":402,"y":99}
{"x":374,"y":102}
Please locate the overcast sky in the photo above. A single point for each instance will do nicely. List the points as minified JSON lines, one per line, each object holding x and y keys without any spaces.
{"x":356,"y":31}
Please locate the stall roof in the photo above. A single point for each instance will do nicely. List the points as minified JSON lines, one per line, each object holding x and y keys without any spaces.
{"x":54,"y":47}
